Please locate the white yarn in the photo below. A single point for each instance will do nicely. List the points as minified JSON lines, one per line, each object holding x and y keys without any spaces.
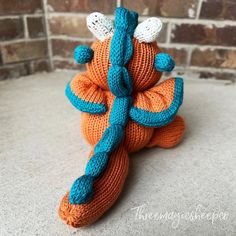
{"x":148,"y":30}
{"x":101,"y":26}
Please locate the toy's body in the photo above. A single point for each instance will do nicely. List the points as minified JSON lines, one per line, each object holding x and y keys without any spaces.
{"x":130,"y":116}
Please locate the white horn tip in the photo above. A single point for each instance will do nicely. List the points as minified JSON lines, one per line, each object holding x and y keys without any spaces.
{"x":100,"y":25}
{"x":148,"y":30}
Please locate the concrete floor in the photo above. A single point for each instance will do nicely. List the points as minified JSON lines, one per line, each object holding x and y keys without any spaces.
{"x":42,"y":152}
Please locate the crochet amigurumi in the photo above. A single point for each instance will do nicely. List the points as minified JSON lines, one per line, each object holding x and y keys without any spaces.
{"x":124,"y":109}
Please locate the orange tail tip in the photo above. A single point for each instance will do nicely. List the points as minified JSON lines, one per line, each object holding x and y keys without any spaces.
{"x":106,"y":190}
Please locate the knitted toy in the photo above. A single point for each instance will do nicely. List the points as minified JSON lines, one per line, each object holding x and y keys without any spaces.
{"x":123,"y":108}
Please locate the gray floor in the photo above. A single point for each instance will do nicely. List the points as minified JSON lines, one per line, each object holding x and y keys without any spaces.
{"x":42,"y":152}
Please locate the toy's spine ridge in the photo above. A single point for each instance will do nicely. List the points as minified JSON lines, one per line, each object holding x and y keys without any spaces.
{"x":120,"y":84}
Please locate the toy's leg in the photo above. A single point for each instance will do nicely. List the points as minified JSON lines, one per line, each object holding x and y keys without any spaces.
{"x":168,"y":136}
{"x":106,"y":190}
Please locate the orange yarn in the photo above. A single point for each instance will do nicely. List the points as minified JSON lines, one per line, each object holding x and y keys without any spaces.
{"x":107,"y":190}
{"x":138,"y":70}
{"x":92,"y":86}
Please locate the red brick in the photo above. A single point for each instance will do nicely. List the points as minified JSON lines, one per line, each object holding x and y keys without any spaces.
{"x":13,"y":71}
{"x":202,"y":73}
{"x":74,"y":26}
{"x":218,"y":58}
{"x":105,"y":6}
{"x":162,"y":36}
{"x":204,"y":34}
{"x":35,"y":27}
{"x":217,"y":75}
{"x":218,"y":9}
{"x":16,"y":52}
{"x":65,"y":48}
{"x":40,"y":66}
{"x":166,"y":8}
{"x":20,"y":6}
{"x":11,"y":29}
{"x":179,"y":55}
{"x":68,"y":65}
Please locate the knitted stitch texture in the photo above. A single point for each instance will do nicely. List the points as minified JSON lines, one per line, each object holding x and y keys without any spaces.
{"x":122,"y":110}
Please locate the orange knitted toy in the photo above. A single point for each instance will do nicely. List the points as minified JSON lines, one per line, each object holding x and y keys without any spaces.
{"x":93,"y":87}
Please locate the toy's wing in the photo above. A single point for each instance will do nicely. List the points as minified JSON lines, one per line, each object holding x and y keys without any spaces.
{"x":158,"y":106}
{"x":85,"y":95}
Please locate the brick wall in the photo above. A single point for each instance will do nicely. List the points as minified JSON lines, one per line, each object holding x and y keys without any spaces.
{"x":23,"y":42}
{"x":200,"y":34}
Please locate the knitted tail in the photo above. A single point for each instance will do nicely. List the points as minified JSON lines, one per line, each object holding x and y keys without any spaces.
{"x":120,"y":84}
{"x":106,"y":191}
{"x":82,"y":189}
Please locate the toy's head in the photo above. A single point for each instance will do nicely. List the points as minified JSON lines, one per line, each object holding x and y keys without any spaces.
{"x":144,"y":66}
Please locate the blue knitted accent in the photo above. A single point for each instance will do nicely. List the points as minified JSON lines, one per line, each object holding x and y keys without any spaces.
{"x":120,"y":84}
{"x":164,"y":62}
{"x":120,"y":111}
{"x":80,"y":104}
{"x":83,"y":54}
{"x":157,"y":119}
{"x":119,"y":81}
{"x":81,"y":190}
{"x":97,"y":164}
{"x":110,"y":139}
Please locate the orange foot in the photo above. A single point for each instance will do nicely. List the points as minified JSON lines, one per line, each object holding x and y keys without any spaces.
{"x":168,"y":136}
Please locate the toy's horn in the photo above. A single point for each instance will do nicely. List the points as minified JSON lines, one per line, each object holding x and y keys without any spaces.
{"x":148,"y":30}
{"x":101,"y":26}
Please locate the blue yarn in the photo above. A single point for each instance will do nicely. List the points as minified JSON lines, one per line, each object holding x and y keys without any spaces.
{"x":120,"y":84}
{"x":97,"y":164}
{"x":81,"y":190}
{"x":120,"y":111}
{"x":84,"y":106}
{"x":119,"y":81}
{"x":157,"y":119}
{"x":164,"y":62}
{"x":83,"y":54}
{"x":110,"y":139}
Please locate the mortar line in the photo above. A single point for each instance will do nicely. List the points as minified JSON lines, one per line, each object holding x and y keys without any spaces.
{"x":217,"y":23}
{"x":196,"y":46}
{"x":46,"y":29}
{"x":189,"y":55}
{"x":25,"y":23}
{"x":73,"y":14}
{"x":168,"y":32}
{"x":22,"y":40}
{"x":19,"y":16}
{"x":69,"y":38}
{"x":205,"y":69}
{"x":199,"y":7}
{"x":60,"y":58}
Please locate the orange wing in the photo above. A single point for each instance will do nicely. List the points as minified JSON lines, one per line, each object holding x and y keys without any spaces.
{"x":85,"y":95}
{"x":158,"y":106}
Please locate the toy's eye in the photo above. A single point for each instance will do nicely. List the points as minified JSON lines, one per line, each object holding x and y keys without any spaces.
{"x":164,"y":62}
{"x":83,"y":54}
